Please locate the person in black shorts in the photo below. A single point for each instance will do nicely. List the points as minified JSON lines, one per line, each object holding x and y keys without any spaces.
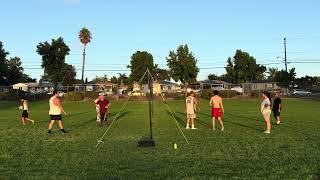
{"x":277,"y":108}
{"x":25,"y":111}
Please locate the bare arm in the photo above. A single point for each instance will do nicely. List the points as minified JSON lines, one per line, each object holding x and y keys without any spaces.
{"x":210,"y":103}
{"x":221,"y":105}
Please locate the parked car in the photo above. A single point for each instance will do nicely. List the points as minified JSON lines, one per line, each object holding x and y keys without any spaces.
{"x":301,"y":92}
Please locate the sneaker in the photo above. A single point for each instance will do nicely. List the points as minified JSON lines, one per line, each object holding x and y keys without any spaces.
{"x":214,"y":128}
{"x":267,"y":132}
{"x":222,"y":129}
{"x":278,"y":122}
{"x":32,"y":121}
{"x":49,"y":131}
{"x":63,"y":131}
{"x":187,"y":127}
{"x":193,"y":128}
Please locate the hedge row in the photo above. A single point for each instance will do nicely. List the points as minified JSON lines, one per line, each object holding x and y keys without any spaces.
{"x":207,"y":93}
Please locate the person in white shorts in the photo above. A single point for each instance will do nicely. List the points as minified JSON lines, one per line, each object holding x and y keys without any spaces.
{"x":191,"y":105}
{"x":97,"y":109}
{"x":266,"y":110}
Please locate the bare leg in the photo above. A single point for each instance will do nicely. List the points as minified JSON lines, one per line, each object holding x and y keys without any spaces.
{"x":188,"y":121}
{"x":213,"y":119}
{"x":30,"y":120}
{"x":268,"y":124}
{"x":23,"y":121}
{"x":51,"y":124}
{"x":192,"y":123}
{"x":221,"y":123}
{"x":60,"y":124}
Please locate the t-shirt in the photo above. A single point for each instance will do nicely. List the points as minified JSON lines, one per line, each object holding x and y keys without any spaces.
{"x":276,"y":103}
{"x":190,"y":103}
{"x":265,"y":102}
{"x":102,"y":105}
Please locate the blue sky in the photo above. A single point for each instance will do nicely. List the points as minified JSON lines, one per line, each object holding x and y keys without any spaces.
{"x":213,"y":29}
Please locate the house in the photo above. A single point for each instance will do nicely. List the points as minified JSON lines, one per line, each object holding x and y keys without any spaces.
{"x":33,"y":87}
{"x":215,"y":85}
{"x":106,"y":87}
{"x":262,"y":85}
{"x":155,"y":86}
{"x":169,"y":87}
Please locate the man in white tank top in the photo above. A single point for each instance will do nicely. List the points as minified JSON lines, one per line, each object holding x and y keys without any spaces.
{"x":55,"y":112}
{"x":191,"y":105}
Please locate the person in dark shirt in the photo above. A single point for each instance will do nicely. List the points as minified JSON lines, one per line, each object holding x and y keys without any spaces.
{"x":103,"y":105}
{"x":277,"y":108}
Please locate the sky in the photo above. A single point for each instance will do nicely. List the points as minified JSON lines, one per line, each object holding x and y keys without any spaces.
{"x":213,"y":30}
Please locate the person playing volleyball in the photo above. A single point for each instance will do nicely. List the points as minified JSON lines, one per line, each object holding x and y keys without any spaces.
{"x":217,"y":109}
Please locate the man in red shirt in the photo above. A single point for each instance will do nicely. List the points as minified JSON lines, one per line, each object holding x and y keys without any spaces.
{"x":103,"y":105}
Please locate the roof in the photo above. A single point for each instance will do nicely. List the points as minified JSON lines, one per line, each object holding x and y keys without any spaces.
{"x":20,"y":84}
{"x":46,"y":84}
{"x":262,"y":81}
{"x":168,"y":83}
{"x":214,"y":82}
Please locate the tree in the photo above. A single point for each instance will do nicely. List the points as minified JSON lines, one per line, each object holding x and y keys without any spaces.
{"x":182,"y":65}
{"x":15,"y":71}
{"x":140,"y":61}
{"x":53,"y":58}
{"x":102,"y":79}
{"x":85,"y":38}
{"x":123,"y":78}
{"x":3,"y":64}
{"x":285,"y":79}
{"x":272,"y":73}
{"x":219,"y":78}
{"x":114,"y":80}
{"x":230,"y":71}
{"x":307,"y":82}
{"x":243,"y":67}
{"x":161,"y":74}
{"x":69,"y":75}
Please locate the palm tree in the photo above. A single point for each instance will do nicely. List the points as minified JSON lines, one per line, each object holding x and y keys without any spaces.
{"x":272,"y":73}
{"x":85,"y":38}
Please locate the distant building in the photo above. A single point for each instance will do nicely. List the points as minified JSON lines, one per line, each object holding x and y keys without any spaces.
{"x":215,"y":85}
{"x":170,"y":87}
{"x":106,"y":87}
{"x":262,"y":85}
{"x":43,"y":87}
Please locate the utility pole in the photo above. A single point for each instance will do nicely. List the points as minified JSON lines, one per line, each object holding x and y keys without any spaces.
{"x":285,"y":53}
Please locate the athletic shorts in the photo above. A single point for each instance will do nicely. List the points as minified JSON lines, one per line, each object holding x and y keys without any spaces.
{"x":56,"y":117}
{"x":25,"y":114}
{"x":266,"y":112}
{"x":276,"y":113}
{"x":191,"y":116}
{"x":216,"y":112}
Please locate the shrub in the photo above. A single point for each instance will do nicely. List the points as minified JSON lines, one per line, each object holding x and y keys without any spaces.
{"x":208,"y":93}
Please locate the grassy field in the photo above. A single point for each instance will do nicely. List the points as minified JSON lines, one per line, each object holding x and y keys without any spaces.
{"x":292,"y":150}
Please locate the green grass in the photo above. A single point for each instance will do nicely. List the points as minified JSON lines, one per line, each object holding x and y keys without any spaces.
{"x":242,"y":151}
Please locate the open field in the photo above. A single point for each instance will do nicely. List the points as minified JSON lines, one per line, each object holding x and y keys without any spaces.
{"x":292,"y":150}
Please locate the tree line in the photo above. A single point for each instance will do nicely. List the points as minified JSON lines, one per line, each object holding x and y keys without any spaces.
{"x":181,"y":63}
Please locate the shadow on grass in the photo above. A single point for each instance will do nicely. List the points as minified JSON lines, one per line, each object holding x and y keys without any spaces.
{"x":76,"y":114}
{"x":236,"y":123}
{"x":197,"y":120}
{"x":110,"y":119}
{"x":180,"y":121}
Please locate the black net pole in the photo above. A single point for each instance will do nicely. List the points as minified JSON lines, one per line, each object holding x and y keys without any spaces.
{"x":150,"y":84}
